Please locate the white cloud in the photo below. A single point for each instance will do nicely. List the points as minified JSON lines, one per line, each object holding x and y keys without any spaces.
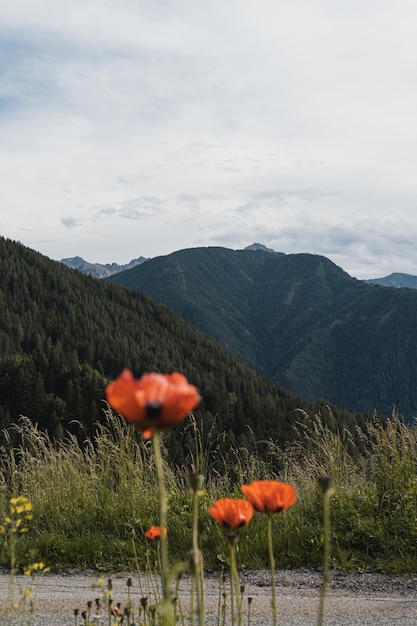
{"x":203,"y":124}
{"x":71,"y":222}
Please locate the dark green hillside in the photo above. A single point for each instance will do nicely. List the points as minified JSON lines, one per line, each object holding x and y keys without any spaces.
{"x":63,"y":334}
{"x":298,"y":319}
{"x":209,"y":288}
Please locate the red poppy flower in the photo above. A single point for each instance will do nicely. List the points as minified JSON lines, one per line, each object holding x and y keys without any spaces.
{"x":155,"y":532}
{"x":270,"y":496}
{"x":231,"y":513}
{"x":153,"y":402}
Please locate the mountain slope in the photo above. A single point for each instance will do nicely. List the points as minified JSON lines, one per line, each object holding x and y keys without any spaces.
{"x":209,"y":288}
{"x":299,"y":319}
{"x":63,"y":335}
{"x":397,"y":279}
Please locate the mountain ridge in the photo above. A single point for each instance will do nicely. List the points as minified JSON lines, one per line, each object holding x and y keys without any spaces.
{"x":297,"y":318}
{"x":399,"y":280}
{"x":99,"y":270}
{"x":63,"y":335}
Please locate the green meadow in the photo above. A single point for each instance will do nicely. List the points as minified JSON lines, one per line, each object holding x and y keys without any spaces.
{"x":93,"y":502}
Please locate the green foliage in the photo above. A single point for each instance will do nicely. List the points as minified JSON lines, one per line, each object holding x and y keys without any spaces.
{"x":374,"y":504}
{"x":63,"y":335}
{"x":91,"y":502}
{"x":298,"y":319}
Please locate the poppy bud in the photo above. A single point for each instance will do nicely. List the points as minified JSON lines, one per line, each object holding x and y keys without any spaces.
{"x":324,"y":482}
{"x":197,"y":483}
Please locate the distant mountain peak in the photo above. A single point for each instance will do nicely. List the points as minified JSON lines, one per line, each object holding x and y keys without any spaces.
{"x":398,"y":280}
{"x":99,"y":270}
{"x":259,"y":246}
{"x":75,"y":262}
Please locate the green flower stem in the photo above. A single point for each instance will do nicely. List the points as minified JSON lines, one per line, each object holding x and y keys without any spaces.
{"x":167,"y":606}
{"x":135,"y":556}
{"x":326,"y":553}
{"x":198,"y":570}
{"x":234,"y":585}
{"x":249,"y":608}
{"x":272,"y":566}
{"x":192,"y":594}
{"x":178,"y":605}
{"x":221,"y":604}
{"x":151,"y":578}
{"x":232,"y":582}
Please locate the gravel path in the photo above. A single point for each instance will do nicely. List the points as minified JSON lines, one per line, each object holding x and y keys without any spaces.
{"x":354,"y":599}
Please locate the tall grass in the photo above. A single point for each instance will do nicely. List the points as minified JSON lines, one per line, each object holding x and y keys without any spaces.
{"x":91,"y":502}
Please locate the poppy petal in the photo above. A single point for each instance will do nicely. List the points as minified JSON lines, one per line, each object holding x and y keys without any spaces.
{"x":270,"y":496}
{"x":155,"y":401}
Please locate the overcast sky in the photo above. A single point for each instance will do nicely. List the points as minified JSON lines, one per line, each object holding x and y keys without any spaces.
{"x":136,"y":128}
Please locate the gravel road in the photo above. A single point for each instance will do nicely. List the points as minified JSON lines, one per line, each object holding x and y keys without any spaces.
{"x":354,"y":599}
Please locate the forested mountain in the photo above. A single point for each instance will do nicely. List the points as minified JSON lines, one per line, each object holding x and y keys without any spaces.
{"x":397,"y":279}
{"x":298,"y":319}
{"x":63,"y":335}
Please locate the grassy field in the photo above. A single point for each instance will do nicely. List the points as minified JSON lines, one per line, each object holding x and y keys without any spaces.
{"x":93,"y":504}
